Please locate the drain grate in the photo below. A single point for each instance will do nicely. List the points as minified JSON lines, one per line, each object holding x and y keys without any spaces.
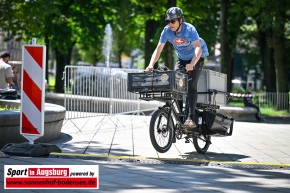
{"x":129,"y":159}
{"x":251,"y":166}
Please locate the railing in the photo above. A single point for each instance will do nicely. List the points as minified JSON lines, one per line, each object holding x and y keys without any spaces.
{"x":93,"y":91}
{"x":273,"y":104}
{"x":270,"y":103}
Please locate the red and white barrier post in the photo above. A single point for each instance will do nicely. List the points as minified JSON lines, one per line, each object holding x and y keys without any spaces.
{"x":32,"y":104}
{"x":33,"y":91}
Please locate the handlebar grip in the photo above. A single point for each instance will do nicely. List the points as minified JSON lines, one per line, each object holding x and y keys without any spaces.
{"x":182,"y":69}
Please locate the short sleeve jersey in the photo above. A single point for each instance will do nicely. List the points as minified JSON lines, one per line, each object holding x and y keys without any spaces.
{"x":204,"y":48}
{"x":5,"y":71}
{"x":181,"y":42}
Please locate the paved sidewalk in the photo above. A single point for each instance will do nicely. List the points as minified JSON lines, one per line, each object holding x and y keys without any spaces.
{"x":255,"y":159}
{"x":127,"y":135}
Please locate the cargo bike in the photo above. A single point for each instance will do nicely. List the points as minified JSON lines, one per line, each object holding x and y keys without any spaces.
{"x":171,"y":86}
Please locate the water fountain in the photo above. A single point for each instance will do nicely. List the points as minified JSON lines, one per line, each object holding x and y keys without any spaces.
{"x":107,"y":46}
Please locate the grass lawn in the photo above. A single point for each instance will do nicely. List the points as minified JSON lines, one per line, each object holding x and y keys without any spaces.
{"x":6,"y":108}
{"x":267,"y":111}
{"x":51,"y":80}
{"x":235,"y":104}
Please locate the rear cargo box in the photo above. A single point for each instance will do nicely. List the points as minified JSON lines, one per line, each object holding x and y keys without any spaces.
{"x":212,"y":80}
{"x":170,"y":81}
{"x":217,"y":124}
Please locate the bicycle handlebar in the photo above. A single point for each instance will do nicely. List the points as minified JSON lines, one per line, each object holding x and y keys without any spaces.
{"x":181,"y":69}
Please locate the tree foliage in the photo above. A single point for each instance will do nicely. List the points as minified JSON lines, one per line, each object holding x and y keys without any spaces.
{"x":258,"y":28}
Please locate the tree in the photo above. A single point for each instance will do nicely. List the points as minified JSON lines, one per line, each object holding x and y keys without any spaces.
{"x":128,"y":28}
{"x":231,"y":21}
{"x":205,"y":17}
{"x":63,"y":24}
{"x":267,"y":56}
{"x":168,"y":50}
{"x":80,"y":21}
{"x":279,"y":51}
{"x":27,"y":19}
{"x":272,"y":18}
{"x":153,"y":17}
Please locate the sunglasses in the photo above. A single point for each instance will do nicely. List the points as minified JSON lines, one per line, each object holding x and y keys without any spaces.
{"x":171,"y":21}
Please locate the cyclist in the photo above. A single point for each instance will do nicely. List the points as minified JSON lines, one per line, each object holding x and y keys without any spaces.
{"x":190,"y":49}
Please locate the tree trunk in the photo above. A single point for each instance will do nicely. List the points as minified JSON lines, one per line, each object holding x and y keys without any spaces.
{"x":226,"y":61}
{"x":169,"y":62}
{"x":149,"y":45}
{"x":280,"y":58}
{"x":171,"y":3}
{"x":267,"y":60}
{"x":281,"y":67}
{"x":169,"y":59}
{"x":62,"y":60}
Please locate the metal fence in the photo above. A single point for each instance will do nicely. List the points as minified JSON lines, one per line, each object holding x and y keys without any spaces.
{"x":270,"y":103}
{"x":93,"y":91}
{"x":274,"y":104}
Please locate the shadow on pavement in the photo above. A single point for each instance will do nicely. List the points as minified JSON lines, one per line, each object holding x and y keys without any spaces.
{"x":215,"y":156}
{"x":277,"y":120}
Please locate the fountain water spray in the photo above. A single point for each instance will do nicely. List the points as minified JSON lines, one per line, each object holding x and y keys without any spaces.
{"x":107,"y":47}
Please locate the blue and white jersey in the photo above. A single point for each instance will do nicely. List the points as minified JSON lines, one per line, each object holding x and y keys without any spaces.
{"x":182,"y":42}
{"x":204,"y":48}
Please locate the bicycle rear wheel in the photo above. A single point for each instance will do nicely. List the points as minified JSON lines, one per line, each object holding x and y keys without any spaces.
{"x":160,"y":135}
{"x":201,"y":143}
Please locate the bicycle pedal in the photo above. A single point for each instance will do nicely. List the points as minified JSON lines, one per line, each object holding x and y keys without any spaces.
{"x":186,"y":141}
{"x":187,"y":127}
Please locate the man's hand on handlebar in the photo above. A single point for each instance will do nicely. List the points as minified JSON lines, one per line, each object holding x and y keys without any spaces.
{"x":189,"y":67}
{"x":149,"y":69}
{"x":186,"y":69}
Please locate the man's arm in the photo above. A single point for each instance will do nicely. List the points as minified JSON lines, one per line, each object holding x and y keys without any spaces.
{"x":197,"y":53}
{"x":8,"y":74}
{"x":155,"y":56}
{"x":18,"y":81}
{"x":9,"y":80}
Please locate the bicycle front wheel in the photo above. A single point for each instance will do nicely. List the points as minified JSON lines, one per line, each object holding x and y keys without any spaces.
{"x":161,"y":135}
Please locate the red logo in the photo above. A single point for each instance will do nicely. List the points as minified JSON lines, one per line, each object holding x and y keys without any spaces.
{"x":179,"y":41}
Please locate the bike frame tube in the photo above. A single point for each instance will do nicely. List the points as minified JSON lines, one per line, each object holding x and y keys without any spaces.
{"x":169,"y":114}
{"x":172,"y":114}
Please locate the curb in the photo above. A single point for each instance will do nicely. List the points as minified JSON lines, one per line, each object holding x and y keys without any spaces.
{"x":148,"y":160}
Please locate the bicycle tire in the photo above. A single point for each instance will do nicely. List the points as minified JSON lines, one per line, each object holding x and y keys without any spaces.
{"x":161,"y":136}
{"x":201,"y":143}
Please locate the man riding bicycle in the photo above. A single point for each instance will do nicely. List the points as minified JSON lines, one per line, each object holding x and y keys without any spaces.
{"x":190,"y":49}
